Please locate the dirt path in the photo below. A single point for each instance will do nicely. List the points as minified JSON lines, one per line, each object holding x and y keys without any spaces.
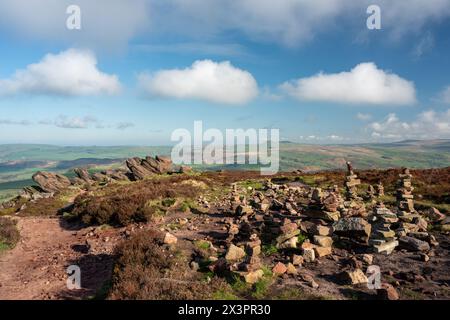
{"x":36,"y":267}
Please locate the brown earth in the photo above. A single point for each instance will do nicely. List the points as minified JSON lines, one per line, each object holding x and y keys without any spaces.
{"x":36,"y":267}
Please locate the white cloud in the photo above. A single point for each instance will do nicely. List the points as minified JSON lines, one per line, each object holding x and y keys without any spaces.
{"x":363,"y":116}
{"x":69,"y":73}
{"x":105,"y":24}
{"x":204,"y":80}
{"x":290,"y":22}
{"x":364,"y":84}
{"x":331,"y":137}
{"x":427,"y":125}
{"x":110,"y":23}
{"x":74,"y":122}
{"x":83,"y":122}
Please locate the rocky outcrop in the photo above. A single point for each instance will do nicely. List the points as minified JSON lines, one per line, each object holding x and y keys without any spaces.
{"x":142,"y":168}
{"x":51,"y":182}
{"x":83,"y":175}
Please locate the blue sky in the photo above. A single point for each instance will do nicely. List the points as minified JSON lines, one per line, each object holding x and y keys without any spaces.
{"x":137,"y":70}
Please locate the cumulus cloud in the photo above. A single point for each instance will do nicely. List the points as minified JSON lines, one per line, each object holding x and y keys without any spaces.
{"x":218,"y":82}
{"x":364,"y":84}
{"x":69,"y":73}
{"x":363,"y":116}
{"x":427,"y":125}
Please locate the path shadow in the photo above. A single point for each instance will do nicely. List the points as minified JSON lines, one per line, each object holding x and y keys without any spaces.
{"x":96,"y":272}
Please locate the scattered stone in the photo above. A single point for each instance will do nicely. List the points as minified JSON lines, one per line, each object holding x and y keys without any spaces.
{"x":253,"y":276}
{"x":297,"y":260}
{"x":354,"y":228}
{"x":354,"y":277}
{"x":387,"y":292}
{"x":234,"y":253}
{"x":323,"y":241}
{"x":413,"y":244}
{"x":434,"y":215}
{"x":194,"y":266}
{"x":367,"y":258}
{"x":308,"y":255}
{"x":385,"y":247}
{"x":170,"y":238}
{"x":322,"y":251}
{"x":279,"y":268}
{"x":291,"y":269}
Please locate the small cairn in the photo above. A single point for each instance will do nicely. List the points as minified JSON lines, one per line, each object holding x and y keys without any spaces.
{"x":282,"y":232}
{"x":252,"y":260}
{"x":354,"y":205}
{"x":351,"y":183}
{"x":382,"y":238}
{"x":379,"y":189}
{"x":405,"y":198}
{"x":324,"y":205}
{"x":371,"y":193}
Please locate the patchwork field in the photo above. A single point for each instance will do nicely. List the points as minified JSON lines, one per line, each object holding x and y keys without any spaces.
{"x":19,"y":162}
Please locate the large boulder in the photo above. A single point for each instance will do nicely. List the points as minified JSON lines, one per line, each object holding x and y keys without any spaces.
{"x":142,"y":168}
{"x":118,"y":174}
{"x":51,"y":182}
{"x":138,"y":172}
{"x":83,"y":175}
{"x":158,"y":165}
{"x":353,"y":228}
{"x":413,"y":244}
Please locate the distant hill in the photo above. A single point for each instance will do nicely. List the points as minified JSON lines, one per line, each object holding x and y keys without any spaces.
{"x":19,"y":161}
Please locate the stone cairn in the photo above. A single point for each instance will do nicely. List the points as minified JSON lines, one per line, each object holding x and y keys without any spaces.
{"x":382,"y":238}
{"x":412,"y":230}
{"x":354,"y":205}
{"x":379,"y":189}
{"x":324,"y":205}
{"x":405,"y":198}
{"x":282,"y":232}
{"x":243,"y":254}
{"x":351,"y":184}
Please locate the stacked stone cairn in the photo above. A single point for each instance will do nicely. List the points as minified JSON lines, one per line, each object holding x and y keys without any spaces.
{"x":405,"y":198}
{"x":412,"y":230}
{"x":379,"y":189}
{"x":353,"y":204}
{"x":382,"y":238}
{"x":243,"y":255}
{"x":324,"y":205}
{"x":280,"y":231}
{"x":351,"y":183}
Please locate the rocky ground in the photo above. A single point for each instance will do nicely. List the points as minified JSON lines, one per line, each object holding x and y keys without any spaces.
{"x":286,"y":238}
